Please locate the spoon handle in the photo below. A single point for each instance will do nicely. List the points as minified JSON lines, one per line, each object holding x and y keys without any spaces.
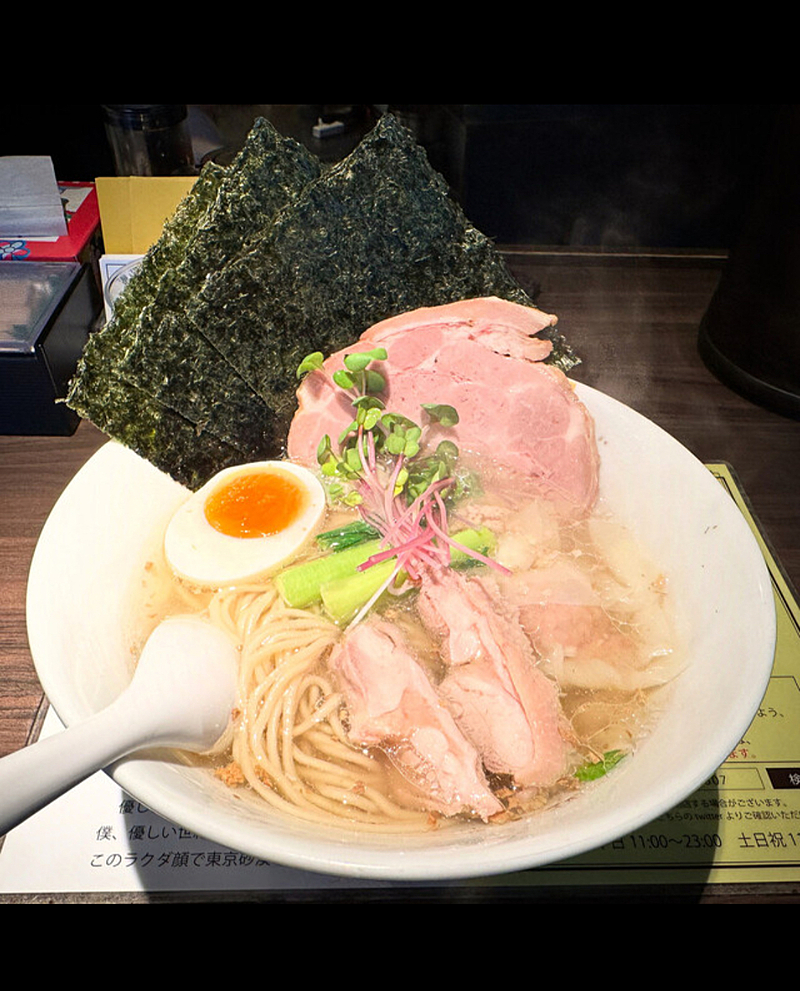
{"x":181,"y":695}
{"x":37,"y":774}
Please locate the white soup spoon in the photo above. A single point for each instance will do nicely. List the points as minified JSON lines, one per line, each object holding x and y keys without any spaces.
{"x":181,"y":695}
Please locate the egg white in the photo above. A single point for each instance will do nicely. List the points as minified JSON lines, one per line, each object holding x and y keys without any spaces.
{"x":199,"y":553}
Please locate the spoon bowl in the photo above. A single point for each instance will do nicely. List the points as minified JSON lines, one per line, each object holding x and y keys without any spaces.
{"x":181,"y":695}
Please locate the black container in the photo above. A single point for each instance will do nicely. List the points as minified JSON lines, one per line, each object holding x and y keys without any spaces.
{"x":750,"y":335}
{"x":150,"y":139}
{"x":47,"y":310}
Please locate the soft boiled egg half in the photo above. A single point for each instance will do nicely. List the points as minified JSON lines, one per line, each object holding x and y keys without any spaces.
{"x":244,"y":523}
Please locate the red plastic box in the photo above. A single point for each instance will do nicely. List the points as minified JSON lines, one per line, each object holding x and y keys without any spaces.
{"x":83,"y":220}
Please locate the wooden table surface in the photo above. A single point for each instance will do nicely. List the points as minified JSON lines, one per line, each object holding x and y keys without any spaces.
{"x":633,"y":319}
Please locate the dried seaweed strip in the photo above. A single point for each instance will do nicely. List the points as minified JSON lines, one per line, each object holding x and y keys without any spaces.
{"x":104,"y":346}
{"x":168,"y":250}
{"x":161,"y":364}
{"x":267,"y":173}
{"x":123,"y":409}
{"x":322,"y":268}
{"x":224,"y":209}
{"x":167,"y":358}
{"x":155,"y":432}
{"x":199,"y":385}
{"x":126,"y":412}
{"x":176,"y":366}
{"x":375,"y":235}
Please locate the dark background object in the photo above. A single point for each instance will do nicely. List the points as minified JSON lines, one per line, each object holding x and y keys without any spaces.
{"x":560,"y":175}
{"x":599,"y":175}
{"x":750,"y":335}
{"x":607,"y":175}
{"x":230,"y":123}
{"x":149,"y":139}
{"x":72,"y":134}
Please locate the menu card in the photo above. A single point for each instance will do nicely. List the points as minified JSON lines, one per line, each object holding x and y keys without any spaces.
{"x":741,"y":826}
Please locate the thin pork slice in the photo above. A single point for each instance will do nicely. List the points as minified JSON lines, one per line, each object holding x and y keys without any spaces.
{"x":498,"y":696}
{"x":482,"y":357}
{"x":392,"y":705}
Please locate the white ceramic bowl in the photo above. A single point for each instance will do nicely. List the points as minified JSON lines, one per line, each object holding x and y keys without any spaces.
{"x":92,"y":542}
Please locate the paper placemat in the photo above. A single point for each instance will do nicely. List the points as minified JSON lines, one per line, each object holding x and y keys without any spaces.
{"x":741,"y":826}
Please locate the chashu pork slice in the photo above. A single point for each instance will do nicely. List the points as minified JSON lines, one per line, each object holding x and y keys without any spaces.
{"x":502,"y":701}
{"x":392,"y":705}
{"x":482,"y":357}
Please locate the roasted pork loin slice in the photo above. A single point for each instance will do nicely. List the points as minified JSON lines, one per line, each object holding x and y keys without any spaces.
{"x":498,"y":696}
{"x":392,"y":705}
{"x":482,"y":357}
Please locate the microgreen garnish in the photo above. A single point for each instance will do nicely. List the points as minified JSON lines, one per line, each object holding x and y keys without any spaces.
{"x":380,"y":465}
{"x":446,"y":415}
{"x":310,"y":363}
{"x":357,"y":375}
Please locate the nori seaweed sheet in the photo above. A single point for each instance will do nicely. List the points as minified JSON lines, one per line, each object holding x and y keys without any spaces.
{"x":96,"y":391}
{"x":284,"y":259}
{"x":103,"y":345}
{"x":375,"y":235}
{"x":168,"y":250}
{"x":149,"y":356}
{"x":155,"y":432}
{"x":229,"y":410}
{"x":266,"y":175}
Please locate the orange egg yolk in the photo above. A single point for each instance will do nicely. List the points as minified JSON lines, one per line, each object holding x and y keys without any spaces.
{"x":255,"y":504}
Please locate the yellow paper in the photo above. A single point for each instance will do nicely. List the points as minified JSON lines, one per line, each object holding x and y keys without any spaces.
{"x":133,"y":209}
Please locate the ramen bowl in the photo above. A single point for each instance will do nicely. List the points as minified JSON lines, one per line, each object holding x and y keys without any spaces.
{"x":94,"y":543}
